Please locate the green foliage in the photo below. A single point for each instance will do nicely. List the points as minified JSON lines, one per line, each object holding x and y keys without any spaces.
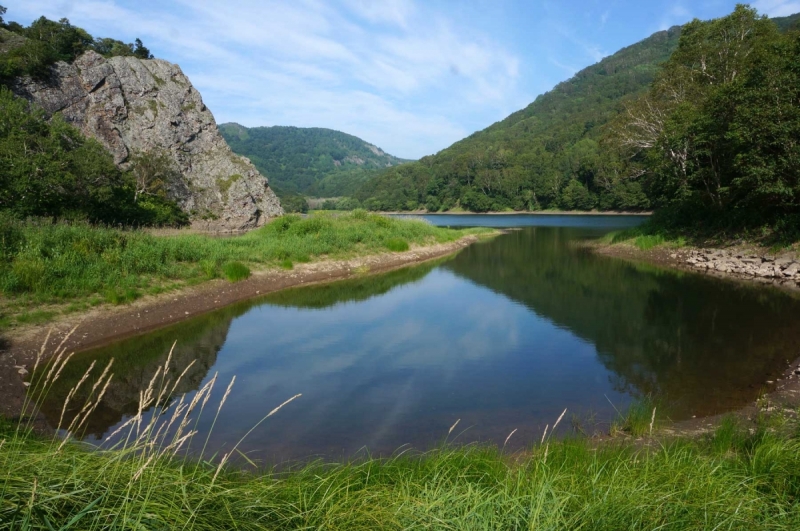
{"x":235,"y":271}
{"x":639,"y":419}
{"x":44,"y":42}
{"x":52,"y":262}
{"x":48,"y":168}
{"x":537,"y":157}
{"x":397,"y":245}
{"x":715,"y":137}
{"x":308,"y":161}
{"x":566,"y":151}
{"x":294,"y":203}
{"x":329,"y":204}
{"x":681,"y":484}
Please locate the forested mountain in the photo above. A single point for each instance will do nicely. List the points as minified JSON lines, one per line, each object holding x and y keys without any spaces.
{"x":552,"y":154}
{"x":310,"y":161}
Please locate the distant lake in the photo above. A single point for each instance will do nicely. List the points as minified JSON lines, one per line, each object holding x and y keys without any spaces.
{"x":505,"y":335}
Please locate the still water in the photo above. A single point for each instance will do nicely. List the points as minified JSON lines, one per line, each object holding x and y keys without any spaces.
{"x":502,"y":336}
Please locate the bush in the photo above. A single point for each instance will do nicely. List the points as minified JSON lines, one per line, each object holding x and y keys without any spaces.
{"x":397,"y":245}
{"x":235,"y":271}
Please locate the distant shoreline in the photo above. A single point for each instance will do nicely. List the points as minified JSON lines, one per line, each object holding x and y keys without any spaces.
{"x":523,"y":212}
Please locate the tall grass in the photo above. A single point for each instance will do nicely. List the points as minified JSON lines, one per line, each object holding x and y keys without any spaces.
{"x":751,"y":483}
{"x":645,"y":237}
{"x":141,"y":478}
{"x":45,"y":262}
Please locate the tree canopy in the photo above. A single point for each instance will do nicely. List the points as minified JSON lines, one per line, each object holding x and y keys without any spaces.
{"x":310,"y":161}
{"x":38,"y":46}
{"x":716,"y":140}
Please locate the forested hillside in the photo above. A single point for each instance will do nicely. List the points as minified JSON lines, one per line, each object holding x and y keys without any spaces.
{"x":555,"y":154}
{"x":310,"y":161}
{"x":544,"y":156}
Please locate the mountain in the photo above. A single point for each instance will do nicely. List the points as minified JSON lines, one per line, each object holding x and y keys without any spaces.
{"x":547,"y":155}
{"x":310,"y":161}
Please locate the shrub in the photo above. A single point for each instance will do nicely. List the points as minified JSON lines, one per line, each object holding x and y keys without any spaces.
{"x":235,"y":271}
{"x":397,"y":245}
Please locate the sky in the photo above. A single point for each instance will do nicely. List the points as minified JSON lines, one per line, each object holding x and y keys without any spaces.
{"x":410,"y":76}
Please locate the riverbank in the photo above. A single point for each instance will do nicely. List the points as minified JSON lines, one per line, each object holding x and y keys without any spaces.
{"x":742,"y":262}
{"x":109,"y":323}
{"x":748,"y":264}
{"x":50,"y":269}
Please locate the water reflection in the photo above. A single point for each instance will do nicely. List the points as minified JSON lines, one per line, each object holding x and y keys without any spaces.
{"x":702,"y":344}
{"x":502,"y":336}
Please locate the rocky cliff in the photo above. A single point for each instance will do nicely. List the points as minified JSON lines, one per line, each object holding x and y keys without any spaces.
{"x":132,"y":105}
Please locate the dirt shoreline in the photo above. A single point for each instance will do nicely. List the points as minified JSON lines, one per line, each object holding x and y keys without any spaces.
{"x":108,"y":324}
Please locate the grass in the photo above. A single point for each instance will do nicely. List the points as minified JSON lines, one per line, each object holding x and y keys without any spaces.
{"x":644,"y":237}
{"x":41,"y":262}
{"x":638,"y":420}
{"x":141,"y":479}
{"x":235,"y":271}
{"x":397,"y":245}
{"x":733,"y":480}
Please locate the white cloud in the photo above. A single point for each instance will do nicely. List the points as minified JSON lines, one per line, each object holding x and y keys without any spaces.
{"x":777,"y":8}
{"x":389,"y":11}
{"x":677,"y":14}
{"x":395,"y":73}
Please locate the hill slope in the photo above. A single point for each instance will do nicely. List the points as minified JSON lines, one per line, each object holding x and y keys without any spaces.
{"x":547,"y":155}
{"x":310,"y":161}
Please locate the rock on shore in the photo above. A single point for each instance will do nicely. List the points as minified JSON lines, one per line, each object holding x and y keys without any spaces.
{"x":781,"y":270}
{"x":130,"y":105}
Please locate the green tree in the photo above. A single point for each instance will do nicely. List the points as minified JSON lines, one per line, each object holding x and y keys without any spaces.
{"x":49,"y":169}
{"x":716,"y":136}
{"x":140,"y":51}
{"x":154,"y":173}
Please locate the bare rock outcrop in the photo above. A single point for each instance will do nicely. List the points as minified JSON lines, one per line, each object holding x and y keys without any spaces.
{"x":131,"y":105}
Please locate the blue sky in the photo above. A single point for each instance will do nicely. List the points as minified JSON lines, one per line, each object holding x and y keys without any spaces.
{"x":411,"y":76}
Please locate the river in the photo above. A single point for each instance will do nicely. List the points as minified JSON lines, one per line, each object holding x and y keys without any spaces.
{"x":502,"y":336}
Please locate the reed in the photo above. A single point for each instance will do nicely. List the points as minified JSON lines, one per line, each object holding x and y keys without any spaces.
{"x":143,"y":478}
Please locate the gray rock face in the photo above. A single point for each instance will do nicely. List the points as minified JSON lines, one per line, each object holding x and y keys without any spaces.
{"x":130,"y":105}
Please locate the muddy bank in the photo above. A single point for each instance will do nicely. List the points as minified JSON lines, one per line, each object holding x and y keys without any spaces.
{"x":107,"y":324}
